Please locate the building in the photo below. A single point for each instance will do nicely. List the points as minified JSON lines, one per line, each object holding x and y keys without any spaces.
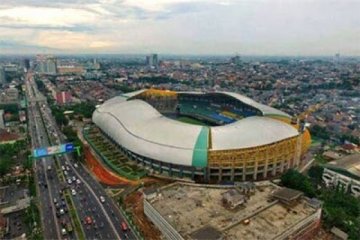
{"x":26,"y":64}
{"x":8,"y":137}
{"x":344,"y":173}
{"x":2,"y":75}
{"x":47,"y":64}
{"x":233,"y":198}
{"x":235,"y":60}
{"x":235,"y":138}
{"x":199,"y":211}
{"x":9,"y":96}
{"x":4,"y":226}
{"x":152,"y":60}
{"x":63,"y":97}
{"x":2,"y":124}
{"x":70,"y":69}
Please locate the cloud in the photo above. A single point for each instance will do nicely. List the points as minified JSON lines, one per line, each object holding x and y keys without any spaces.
{"x":184,"y":26}
{"x":21,"y":47}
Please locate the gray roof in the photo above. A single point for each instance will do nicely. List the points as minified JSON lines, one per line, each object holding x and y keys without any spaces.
{"x":350,"y":163}
{"x":287,"y":194}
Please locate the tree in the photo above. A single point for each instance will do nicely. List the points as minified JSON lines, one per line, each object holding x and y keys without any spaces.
{"x":294,"y":179}
{"x":315,"y":173}
{"x":5,"y":165}
{"x":343,"y":211}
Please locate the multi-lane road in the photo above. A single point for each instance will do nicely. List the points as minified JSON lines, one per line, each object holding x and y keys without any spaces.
{"x":106,"y":217}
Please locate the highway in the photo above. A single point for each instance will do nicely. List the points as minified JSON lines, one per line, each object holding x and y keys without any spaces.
{"x":48,"y":182}
{"x":106,"y":217}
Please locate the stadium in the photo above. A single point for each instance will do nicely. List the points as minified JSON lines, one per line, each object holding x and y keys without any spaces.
{"x":205,"y":136}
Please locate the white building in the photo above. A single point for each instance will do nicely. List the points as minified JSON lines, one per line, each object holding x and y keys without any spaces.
{"x":344,"y":173}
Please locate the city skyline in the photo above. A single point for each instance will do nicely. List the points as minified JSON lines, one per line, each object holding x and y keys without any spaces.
{"x":300,"y":28}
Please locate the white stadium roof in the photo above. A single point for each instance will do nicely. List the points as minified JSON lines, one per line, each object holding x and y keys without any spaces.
{"x":140,"y":128}
{"x":250,"y":132}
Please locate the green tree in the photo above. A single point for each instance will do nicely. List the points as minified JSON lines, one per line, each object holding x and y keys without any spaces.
{"x":294,"y":179}
{"x":315,"y":173}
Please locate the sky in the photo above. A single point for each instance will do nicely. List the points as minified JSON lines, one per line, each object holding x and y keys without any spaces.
{"x":219,"y":27}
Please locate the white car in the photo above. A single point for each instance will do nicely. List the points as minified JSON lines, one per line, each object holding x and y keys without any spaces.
{"x":78,"y":181}
{"x":102,"y":199}
{"x":73,"y":192}
{"x":62,"y":212}
{"x":73,"y":178}
{"x":63,"y":231}
{"x":65,"y":173}
{"x":69,"y":181}
{"x":63,"y":167}
{"x":75,"y":165}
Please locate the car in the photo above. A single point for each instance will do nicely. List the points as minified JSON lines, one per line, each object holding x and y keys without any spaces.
{"x":76,"y":165}
{"x":102,"y":199}
{"x":63,"y":167}
{"x":124,"y":226}
{"x":74,"y":178}
{"x":61,"y":211}
{"x":57,"y":205}
{"x":88,"y":220}
{"x":78,"y":181}
{"x":65,"y":173}
{"x":67,"y":168}
{"x":63,"y":222}
{"x":69,"y":181}
{"x":63,"y":203}
{"x":55,"y":200}
{"x":69,"y":227}
{"x":73,"y":192}
{"x":63,"y":231}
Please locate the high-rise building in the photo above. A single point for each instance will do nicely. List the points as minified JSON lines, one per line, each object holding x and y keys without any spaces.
{"x":26,"y":64}
{"x":152,"y":60}
{"x":47,"y":64}
{"x":2,"y":75}
{"x":337,"y":58}
{"x":235,"y":60}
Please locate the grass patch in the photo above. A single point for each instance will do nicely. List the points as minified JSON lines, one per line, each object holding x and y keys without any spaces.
{"x":32,"y":217}
{"x":315,"y":142}
{"x":74,"y":216}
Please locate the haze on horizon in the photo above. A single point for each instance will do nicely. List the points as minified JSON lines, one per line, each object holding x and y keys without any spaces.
{"x":247,"y":27}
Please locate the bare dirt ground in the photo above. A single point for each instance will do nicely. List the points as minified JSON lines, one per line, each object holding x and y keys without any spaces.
{"x":149,"y":231}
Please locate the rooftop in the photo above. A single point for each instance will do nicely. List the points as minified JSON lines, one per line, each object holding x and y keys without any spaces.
{"x":350,"y":163}
{"x":200,"y":208}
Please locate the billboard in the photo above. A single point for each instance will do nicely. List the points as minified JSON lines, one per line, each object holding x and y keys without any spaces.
{"x":51,"y":150}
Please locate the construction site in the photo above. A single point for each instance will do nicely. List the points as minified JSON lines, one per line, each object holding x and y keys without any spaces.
{"x":246,"y":211}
